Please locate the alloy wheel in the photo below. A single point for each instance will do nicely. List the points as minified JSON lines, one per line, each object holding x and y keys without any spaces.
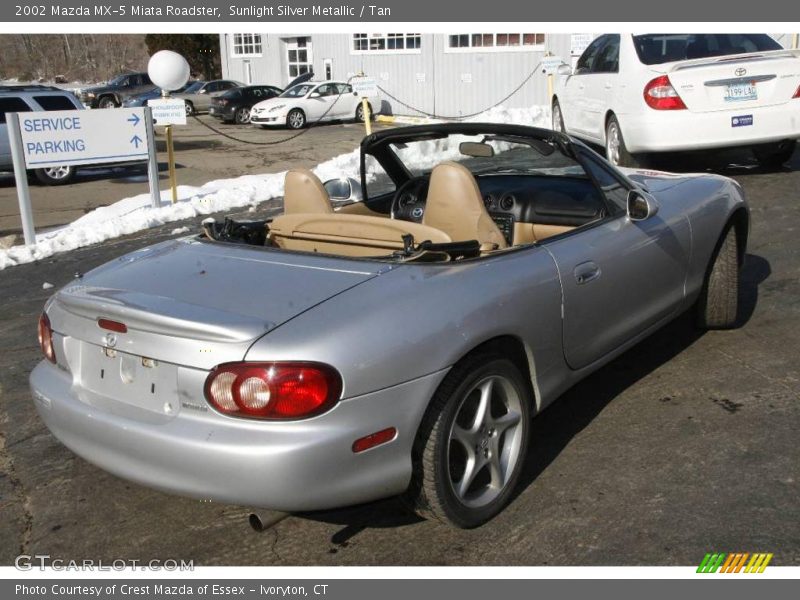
{"x":485,"y":441}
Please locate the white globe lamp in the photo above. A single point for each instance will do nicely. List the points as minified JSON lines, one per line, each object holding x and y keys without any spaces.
{"x":168,"y":70}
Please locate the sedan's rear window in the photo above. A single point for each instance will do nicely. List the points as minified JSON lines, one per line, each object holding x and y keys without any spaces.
{"x":659,"y":48}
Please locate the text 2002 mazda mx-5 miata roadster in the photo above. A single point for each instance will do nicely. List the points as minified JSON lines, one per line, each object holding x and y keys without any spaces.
{"x":395,"y":345}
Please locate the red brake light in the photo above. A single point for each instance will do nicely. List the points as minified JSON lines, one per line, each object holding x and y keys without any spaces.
{"x":797,"y":93}
{"x":112,"y":325}
{"x":273,"y":390}
{"x":46,"y":338}
{"x":660,"y":95}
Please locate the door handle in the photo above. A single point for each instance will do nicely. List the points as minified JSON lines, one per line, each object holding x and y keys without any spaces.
{"x":586,"y":272}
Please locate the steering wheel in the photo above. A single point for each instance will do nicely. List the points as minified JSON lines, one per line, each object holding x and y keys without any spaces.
{"x":408,"y":202}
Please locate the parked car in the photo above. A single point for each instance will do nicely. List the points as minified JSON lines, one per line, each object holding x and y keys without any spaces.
{"x":25,"y":98}
{"x":639,"y":94}
{"x":198,"y":96}
{"x":234,"y":105}
{"x":153,"y":94}
{"x":116,"y":91}
{"x":348,"y":351}
{"x":309,"y":102}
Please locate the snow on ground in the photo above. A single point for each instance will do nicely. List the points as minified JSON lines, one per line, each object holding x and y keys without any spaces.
{"x":135,"y":213}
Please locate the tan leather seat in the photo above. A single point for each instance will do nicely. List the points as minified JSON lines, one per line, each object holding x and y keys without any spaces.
{"x":455,"y":206}
{"x":303,"y":192}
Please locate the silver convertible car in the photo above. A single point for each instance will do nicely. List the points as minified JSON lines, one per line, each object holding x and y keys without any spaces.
{"x":401,"y":343}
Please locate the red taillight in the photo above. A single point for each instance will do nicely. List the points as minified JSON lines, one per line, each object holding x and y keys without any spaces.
{"x":797,"y":93}
{"x":46,"y":338}
{"x":273,"y":390}
{"x":112,"y":325}
{"x":660,"y":95}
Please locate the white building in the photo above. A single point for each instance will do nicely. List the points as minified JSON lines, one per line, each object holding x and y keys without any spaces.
{"x":444,"y":74}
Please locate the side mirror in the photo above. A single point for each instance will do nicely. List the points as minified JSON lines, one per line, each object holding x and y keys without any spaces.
{"x":641,"y":205}
{"x":564,"y":70}
{"x":344,"y":188}
{"x":314,"y":95}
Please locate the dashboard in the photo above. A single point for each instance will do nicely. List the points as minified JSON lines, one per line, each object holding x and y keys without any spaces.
{"x":540,"y":199}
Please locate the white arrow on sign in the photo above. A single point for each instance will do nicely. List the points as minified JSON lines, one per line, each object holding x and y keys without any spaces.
{"x":83,"y":137}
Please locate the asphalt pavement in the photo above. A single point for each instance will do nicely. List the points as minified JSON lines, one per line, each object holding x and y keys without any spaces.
{"x":686,"y":444}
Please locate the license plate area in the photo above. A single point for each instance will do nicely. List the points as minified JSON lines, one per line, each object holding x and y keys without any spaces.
{"x":129,"y":379}
{"x":741,"y":92}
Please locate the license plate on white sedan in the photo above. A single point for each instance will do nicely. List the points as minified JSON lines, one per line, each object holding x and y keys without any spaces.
{"x":738,"y":92}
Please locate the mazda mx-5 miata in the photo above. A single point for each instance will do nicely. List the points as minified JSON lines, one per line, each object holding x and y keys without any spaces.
{"x":397,"y":339}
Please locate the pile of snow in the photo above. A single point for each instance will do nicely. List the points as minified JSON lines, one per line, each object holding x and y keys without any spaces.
{"x":136,"y":213}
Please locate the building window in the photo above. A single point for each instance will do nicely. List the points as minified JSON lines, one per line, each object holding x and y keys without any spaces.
{"x":496,"y":42}
{"x":247,"y":44}
{"x":386,"y":42}
{"x":298,"y":55}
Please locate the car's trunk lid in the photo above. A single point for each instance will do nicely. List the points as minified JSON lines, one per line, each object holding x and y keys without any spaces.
{"x":745,"y":81}
{"x":196,"y":303}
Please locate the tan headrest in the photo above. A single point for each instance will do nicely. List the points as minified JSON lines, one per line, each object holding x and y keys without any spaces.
{"x":455,"y":206}
{"x":304,"y":193}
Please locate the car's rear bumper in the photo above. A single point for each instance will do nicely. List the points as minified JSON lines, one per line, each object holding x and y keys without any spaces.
{"x":289,"y":466}
{"x":678,"y":130}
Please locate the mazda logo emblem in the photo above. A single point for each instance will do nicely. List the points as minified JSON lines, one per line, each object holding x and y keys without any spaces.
{"x":740,"y":72}
{"x":416,"y":213}
{"x":111,"y":340}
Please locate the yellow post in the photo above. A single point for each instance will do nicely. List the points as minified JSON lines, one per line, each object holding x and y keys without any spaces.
{"x":171,"y":162}
{"x":367,"y":115}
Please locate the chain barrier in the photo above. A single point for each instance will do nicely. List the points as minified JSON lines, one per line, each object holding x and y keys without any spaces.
{"x":386,"y":93}
{"x":468,"y":116}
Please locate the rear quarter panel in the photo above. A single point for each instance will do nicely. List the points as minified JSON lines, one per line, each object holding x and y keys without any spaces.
{"x":418,"y":319}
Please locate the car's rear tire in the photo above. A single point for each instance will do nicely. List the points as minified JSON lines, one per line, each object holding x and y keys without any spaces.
{"x":718,"y":305}
{"x":242,"y":115}
{"x":616,"y":150}
{"x":60,"y":175}
{"x":774,"y":155}
{"x":107,"y":102}
{"x":471,"y":445}
{"x":296,"y":119}
{"x":558,"y":117}
{"x":359,"y":117}
{"x":189,"y":109}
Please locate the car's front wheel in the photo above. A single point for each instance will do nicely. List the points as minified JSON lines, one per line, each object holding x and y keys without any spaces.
{"x":775,"y":155}
{"x":107,"y":102}
{"x":717,"y":307}
{"x":189,"y":109}
{"x":616,"y":150}
{"x":471,"y":445}
{"x":59,"y":175}
{"x":242,"y":115}
{"x":296,"y":119}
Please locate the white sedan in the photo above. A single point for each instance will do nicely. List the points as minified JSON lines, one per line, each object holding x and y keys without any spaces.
{"x":639,"y":94}
{"x":309,"y":102}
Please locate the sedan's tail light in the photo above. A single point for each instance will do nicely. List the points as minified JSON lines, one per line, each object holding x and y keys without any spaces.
{"x":46,"y":338}
{"x":797,"y":93}
{"x":291,"y":390}
{"x":660,"y":95}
